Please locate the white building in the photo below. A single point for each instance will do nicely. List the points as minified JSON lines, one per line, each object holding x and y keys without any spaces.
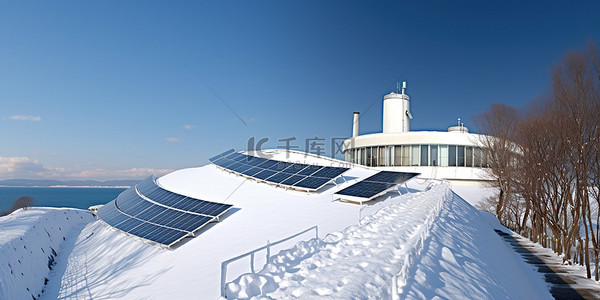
{"x":455,"y":155}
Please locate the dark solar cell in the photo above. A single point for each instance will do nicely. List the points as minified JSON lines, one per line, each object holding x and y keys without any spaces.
{"x":280,"y":166}
{"x":215,"y":158}
{"x":219,"y":156}
{"x":252,"y":172}
{"x":129,"y":224}
{"x":228,"y":153}
{"x":312,"y":182}
{"x":391,"y":177}
{"x":366,"y":189}
{"x":234,"y":165}
{"x":150,"y":212}
{"x":227,"y":163}
{"x":329,"y":172}
{"x":242,"y":168}
{"x":166,"y":236}
{"x":309,"y":170}
{"x":267,"y":164}
{"x":253,"y":160}
{"x":294,"y":168}
{"x":279,"y":177}
{"x":264,"y":174}
{"x":218,"y":160}
{"x":238,"y":157}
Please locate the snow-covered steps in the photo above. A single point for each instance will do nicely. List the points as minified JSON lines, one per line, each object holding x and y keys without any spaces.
{"x":431,"y":244}
{"x":358,"y":262}
{"x":32,"y":241}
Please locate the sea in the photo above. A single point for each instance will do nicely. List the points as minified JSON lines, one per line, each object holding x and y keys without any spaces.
{"x":77,"y":197}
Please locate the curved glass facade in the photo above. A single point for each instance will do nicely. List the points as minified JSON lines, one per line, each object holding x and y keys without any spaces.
{"x":419,"y":155}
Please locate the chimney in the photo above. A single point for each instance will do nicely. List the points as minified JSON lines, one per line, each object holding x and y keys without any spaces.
{"x":355,"y":125}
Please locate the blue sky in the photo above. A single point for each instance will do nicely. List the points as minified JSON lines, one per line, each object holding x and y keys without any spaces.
{"x":110,"y":90}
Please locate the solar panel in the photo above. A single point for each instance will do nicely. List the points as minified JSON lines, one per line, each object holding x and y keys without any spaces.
{"x":264,"y":174}
{"x":279,"y":177}
{"x":267,"y":164}
{"x":376,"y":184}
{"x":392,"y":177}
{"x":158,"y":215}
{"x":292,"y":175}
{"x":292,"y":180}
{"x":312,"y":182}
{"x":309,"y":170}
{"x":294,"y":168}
{"x":330,"y":172}
{"x":254,"y":161}
{"x":253,"y":171}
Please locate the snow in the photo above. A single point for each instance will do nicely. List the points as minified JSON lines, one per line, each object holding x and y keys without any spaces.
{"x":430,"y":241}
{"x":32,"y":242}
{"x":444,"y":248}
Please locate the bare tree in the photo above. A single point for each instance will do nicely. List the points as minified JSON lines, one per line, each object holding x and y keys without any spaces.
{"x":22,"y":202}
{"x":498,"y":127}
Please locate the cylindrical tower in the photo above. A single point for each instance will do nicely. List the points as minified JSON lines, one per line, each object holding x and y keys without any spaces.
{"x":355,"y":125}
{"x":396,"y":112}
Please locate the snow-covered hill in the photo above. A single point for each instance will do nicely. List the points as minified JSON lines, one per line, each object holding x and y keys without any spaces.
{"x":431,"y":244}
{"x":29,"y":244}
{"x":430,"y":240}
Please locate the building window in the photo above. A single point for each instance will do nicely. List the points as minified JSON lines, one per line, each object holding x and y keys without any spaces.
{"x":419,"y":155}
{"x":485,"y":155}
{"x":460,"y":156}
{"x":414,"y":155}
{"x":452,"y":156}
{"x":424,"y":155}
{"x":443,"y":156}
{"x":433,"y":155}
{"x":477,"y":157}
{"x":382,"y":156}
{"x":398,"y":155}
{"x":469,"y":156}
{"x":406,"y":155}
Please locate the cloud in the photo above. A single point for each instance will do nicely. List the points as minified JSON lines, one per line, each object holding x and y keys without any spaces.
{"x":189,"y":127}
{"x":172,"y":139}
{"x":25,"y":168}
{"x":133,"y":173}
{"x":24,"y":118}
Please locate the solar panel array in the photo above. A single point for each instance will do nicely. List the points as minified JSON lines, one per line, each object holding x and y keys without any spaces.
{"x":155,"y":214}
{"x":374,"y":185}
{"x":281,"y":173}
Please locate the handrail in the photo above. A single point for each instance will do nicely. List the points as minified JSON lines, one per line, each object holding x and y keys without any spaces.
{"x":224,"y":264}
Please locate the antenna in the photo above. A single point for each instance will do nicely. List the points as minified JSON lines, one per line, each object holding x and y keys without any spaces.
{"x":403,"y":87}
{"x":458,"y":121}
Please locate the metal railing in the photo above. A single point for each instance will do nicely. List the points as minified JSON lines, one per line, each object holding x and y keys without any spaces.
{"x":224,"y":264}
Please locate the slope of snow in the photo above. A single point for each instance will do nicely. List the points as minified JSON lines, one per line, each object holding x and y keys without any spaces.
{"x":464,"y":256}
{"x":32,"y":241}
{"x":432,"y":244}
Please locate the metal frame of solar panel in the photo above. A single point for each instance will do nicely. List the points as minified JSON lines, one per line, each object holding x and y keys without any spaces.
{"x":150,"y":212}
{"x":304,"y":177}
{"x":374,"y":186}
